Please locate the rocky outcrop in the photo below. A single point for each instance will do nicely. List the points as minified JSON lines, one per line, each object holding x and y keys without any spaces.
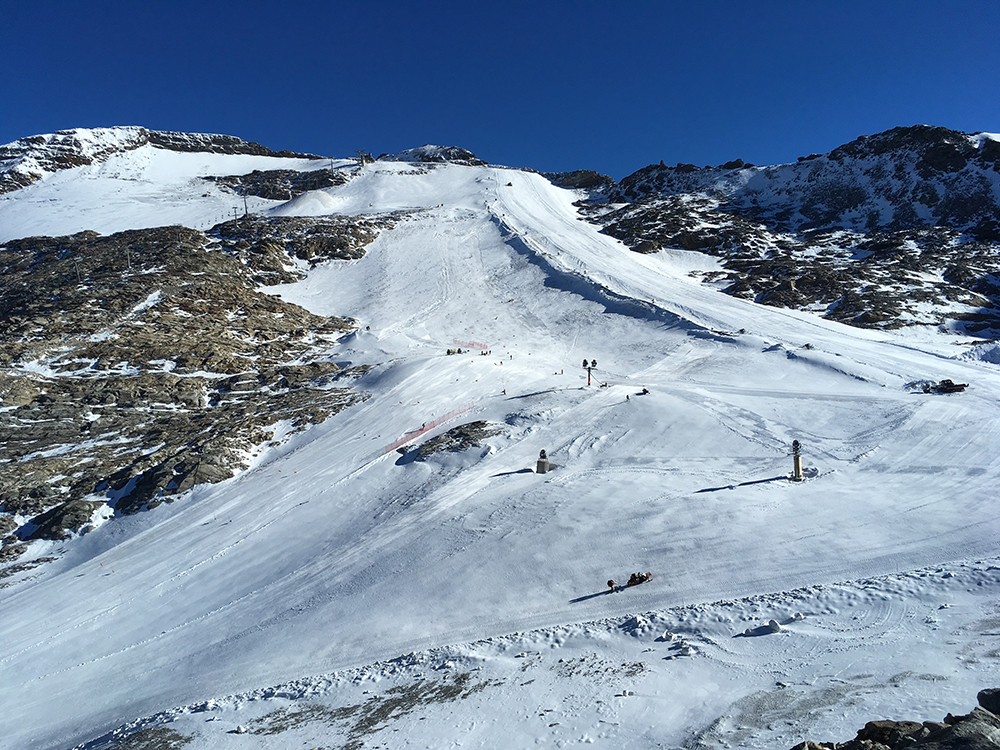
{"x":469,"y":435}
{"x":900,"y":228}
{"x":269,"y":246}
{"x":581,"y":179}
{"x":216,"y":144}
{"x":978,"y":730}
{"x":282,"y":184}
{"x":903,"y":178}
{"x":136,"y":365}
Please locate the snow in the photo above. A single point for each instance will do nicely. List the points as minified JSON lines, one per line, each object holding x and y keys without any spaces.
{"x":333,"y":574}
{"x":144,"y":187}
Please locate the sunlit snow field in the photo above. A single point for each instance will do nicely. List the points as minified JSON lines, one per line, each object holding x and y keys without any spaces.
{"x":338,"y":592}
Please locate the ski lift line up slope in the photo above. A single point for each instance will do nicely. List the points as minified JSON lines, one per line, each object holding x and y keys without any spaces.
{"x":305,"y":565}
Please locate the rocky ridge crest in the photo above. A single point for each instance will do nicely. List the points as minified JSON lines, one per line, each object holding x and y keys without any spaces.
{"x":895,"y":229}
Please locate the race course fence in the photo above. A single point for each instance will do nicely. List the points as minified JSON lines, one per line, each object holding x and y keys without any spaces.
{"x":427,"y":427}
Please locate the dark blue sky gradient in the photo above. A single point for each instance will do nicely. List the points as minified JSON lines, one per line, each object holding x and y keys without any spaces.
{"x":611,"y":86}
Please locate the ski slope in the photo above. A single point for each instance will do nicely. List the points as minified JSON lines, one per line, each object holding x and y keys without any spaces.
{"x":332,"y":558}
{"x":137,"y":189}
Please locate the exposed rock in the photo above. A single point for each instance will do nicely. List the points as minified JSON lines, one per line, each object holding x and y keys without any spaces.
{"x":432,"y":154}
{"x":469,"y":435}
{"x":648,"y":246}
{"x":900,"y":228}
{"x":150,"y":738}
{"x":990,"y":700}
{"x":10,"y":551}
{"x":136,"y":365}
{"x":267,"y":245}
{"x":581,"y":179}
{"x":979,"y":730}
{"x":282,"y":184}
{"x":889,"y":732}
{"x":57,"y":522}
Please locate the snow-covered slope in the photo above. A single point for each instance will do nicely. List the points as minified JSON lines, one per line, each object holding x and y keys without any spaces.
{"x":342,"y":591}
{"x":112,"y":179}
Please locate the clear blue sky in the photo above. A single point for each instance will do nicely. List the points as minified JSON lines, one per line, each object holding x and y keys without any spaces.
{"x":611,"y":86}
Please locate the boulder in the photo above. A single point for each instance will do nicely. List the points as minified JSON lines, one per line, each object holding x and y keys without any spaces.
{"x":889,"y":732}
{"x":57,"y":522}
{"x":979,"y":730}
{"x":647,"y":246}
{"x":990,"y":700}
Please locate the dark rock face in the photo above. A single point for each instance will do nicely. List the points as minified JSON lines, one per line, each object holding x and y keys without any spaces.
{"x":266,"y":245}
{"x":282,"y":184}
{"x":136,"y":365}
{"x":979,"y":730}
{"x":894,"y":229}
{"x":990,"y":700}
{"x":216,"y":144}
{"x":52,"y":524}
{"x":581,"y":179}
{"x":469,"y":435}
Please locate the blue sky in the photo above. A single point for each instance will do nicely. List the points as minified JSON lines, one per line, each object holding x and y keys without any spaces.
{"x":611,"y":86}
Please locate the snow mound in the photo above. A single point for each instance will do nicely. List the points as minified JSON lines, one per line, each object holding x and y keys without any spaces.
{"x":310,"y":203}
{"x":989,"y":353}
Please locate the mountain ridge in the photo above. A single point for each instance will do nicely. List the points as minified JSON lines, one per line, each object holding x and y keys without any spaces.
{"x":28,"y":159}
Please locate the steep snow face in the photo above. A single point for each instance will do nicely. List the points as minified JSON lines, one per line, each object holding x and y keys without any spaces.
{"x":339,"y":549}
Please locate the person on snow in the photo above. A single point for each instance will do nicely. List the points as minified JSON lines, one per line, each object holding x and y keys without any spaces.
{"x":611,"y":584}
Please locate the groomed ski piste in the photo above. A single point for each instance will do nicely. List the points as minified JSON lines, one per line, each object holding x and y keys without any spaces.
{"x":340,"y":594}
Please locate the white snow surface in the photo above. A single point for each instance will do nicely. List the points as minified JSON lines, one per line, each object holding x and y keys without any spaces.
{"x":333,"y":574}
{"x":137,"y":189}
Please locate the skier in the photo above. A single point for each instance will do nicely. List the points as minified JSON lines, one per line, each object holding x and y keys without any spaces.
{"x":611,"y":586}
